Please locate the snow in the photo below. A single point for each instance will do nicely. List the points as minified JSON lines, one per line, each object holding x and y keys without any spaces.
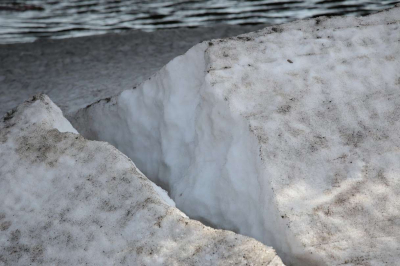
{"x":288,"y":134}
{"x":163,"y":195}
{"x":65,"y":200}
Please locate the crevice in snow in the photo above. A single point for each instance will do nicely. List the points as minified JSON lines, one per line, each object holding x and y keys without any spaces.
{"x":65,"y":200}
{"x":182,"y":135}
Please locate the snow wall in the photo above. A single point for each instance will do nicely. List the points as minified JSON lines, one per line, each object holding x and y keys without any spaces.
{"x":277,"y":135}
{"x":65,"y":200}
{"x":182,"y":135}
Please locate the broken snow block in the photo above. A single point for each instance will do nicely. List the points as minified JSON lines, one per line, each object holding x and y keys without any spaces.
{"x":65,"y":200}
{"x":289,"y":134}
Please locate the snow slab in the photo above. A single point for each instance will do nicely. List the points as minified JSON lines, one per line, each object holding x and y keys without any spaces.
{"x":289,"y":134}
{"x":65,"y":200}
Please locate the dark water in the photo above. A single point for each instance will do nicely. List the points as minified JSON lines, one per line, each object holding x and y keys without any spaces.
{"x":25,"y":21}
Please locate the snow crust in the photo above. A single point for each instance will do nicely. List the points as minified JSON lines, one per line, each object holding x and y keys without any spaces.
{"x":65,"y":200}
{"x":288,"y":135}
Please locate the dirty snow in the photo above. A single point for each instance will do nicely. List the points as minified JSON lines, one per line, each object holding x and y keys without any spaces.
{"x":288,"y":135}
{"x":65,"y":200}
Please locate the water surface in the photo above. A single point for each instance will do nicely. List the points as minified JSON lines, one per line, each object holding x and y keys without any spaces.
{"x":26,"y":21}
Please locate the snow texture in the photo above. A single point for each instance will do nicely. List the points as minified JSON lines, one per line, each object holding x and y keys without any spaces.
{"x":65,"y":200}
{"x":289,"y":134}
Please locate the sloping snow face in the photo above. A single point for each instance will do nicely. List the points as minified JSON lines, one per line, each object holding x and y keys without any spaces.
{"x":289,"y":135}
{"x":65,"y":200}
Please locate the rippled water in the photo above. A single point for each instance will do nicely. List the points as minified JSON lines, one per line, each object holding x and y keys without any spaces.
{"x":25,"y":21}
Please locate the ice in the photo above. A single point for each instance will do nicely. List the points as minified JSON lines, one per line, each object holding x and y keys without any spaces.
{"x":65,"y":200}
{"x":288,"y":134}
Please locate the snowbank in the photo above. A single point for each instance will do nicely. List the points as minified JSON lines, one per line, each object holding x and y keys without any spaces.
{"x":65,"y":200}
{"x":288,"y":135}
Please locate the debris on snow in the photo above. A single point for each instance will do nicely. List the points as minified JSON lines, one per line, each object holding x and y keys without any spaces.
{"x":65,"y":200}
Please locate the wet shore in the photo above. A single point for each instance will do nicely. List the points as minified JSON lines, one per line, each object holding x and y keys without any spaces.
{"x":78,"y":71}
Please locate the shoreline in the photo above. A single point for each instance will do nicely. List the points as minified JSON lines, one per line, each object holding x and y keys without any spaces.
{"x":76,"y":72}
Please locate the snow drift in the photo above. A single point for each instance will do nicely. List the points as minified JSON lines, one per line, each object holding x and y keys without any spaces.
{"x":65,"y":200}
{"x":289,"y":135}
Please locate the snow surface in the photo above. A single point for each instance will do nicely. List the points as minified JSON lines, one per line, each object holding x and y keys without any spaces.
{"x":288,"y":135}
{"x":65,"y":200}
